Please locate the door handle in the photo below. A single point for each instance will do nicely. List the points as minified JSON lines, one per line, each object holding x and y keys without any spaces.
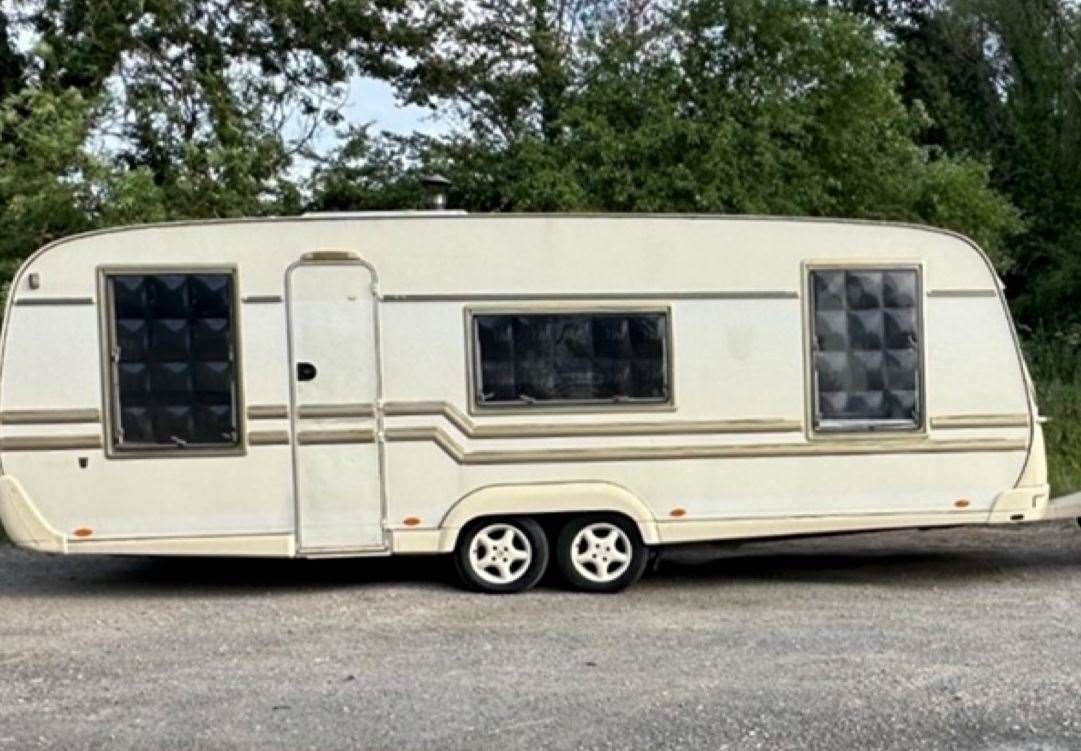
{"x":305,"y":371}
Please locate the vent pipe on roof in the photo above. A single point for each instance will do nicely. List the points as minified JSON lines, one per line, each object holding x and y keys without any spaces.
{"x":436,"y":187}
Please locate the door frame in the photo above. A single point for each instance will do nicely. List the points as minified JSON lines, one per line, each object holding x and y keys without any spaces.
{"x":345,"y":258}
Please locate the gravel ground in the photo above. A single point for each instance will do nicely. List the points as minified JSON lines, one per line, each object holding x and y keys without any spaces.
{"x":908,"y":640}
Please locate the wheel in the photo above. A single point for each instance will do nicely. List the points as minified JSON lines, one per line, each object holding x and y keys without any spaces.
{"x":502,"y":556}
{"x":600,"y":553}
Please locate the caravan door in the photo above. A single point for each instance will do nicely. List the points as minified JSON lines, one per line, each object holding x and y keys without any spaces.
{"x":335,"y":386}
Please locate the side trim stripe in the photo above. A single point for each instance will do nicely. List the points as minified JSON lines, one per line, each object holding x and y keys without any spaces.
{"x":268,"y":412}
{"x":50,"y":443}
{"x":980,"y":421}
{"x":268,"y":437}
{"x":49,"y":416}
{"x":324,"y":437}
{"x":312,"y":411}
{"x":34,"y":301}
{"x":962,"y":293}
{"x":470,"y":429}
{"x":655,"y":453}
{"x":541,"y":296}
{"x":546,"y":456}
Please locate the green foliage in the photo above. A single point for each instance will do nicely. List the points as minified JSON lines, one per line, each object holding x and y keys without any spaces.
{"x":50,"y":185}
{"x":718,"y":106}
{"x":1055,"y":360}
{"x":733,"y":106}
{"x":12,"y":64}
{"x":142,"y":110}
{"x":1039,"y":154}
{"x":953,"y":193}
{"x":369,"y":174}
{"x":1001,"y":82}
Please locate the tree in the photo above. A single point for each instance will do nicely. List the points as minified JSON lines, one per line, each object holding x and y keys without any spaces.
{"x":370,"y":173}
{"x":50,"y":185}
{"x":1036,"y":158}
{"x":12,"y":64}
{"x":140,"y":110}
{"x":218,"y":100}
{"x":733,"y":106}
{"x":1001,"y":81}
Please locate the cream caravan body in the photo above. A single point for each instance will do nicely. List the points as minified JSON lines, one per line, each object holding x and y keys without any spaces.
{"x":349,"y":370}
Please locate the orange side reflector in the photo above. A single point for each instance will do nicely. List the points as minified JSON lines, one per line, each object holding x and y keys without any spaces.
{"x":962,"y":503}
{"x":411,"y":521}
{"x":678,"y":512}
{"x":84,"y":532}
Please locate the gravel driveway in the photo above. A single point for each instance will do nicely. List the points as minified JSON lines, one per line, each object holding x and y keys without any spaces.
{"x":945,"y":639}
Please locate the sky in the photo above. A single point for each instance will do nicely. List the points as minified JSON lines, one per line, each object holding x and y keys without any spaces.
{"x":371,"y":100}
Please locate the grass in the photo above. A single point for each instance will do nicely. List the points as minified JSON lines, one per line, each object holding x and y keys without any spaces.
{"x":1055,"y":361}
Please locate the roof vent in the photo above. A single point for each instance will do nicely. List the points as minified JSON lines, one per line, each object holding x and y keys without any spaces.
{"x":436,"y":187}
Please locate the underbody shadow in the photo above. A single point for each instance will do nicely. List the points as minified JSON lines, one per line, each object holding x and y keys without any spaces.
{"x":903,"y":558}
{"x":24,"y":573}
{"x":885,"y":559}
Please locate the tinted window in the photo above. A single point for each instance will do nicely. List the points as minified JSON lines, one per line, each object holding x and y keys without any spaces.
{"x":577,"y":357}
{"x":867,"y":348}
{"x":173,"y":360}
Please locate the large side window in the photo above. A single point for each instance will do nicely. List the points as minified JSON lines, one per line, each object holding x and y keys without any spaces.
{"x":867,"y":349}
{"x":173,"y":351}
{"x":571,"y":358}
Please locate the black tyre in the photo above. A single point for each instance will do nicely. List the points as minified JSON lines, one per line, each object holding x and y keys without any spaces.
{"x":502,"y":556}
{"x":601,"y":553}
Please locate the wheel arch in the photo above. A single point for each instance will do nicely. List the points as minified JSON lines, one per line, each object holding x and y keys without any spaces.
{"x":531,"y":499}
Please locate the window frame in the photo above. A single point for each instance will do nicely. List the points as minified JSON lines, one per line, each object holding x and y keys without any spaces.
{"x":110,"y":382}
{"x":572,"y":406}
{"x":862,"y":429}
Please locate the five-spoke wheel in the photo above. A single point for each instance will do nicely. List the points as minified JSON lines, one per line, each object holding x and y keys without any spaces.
{"x":502,"y":555}
{"x":600,"y":553}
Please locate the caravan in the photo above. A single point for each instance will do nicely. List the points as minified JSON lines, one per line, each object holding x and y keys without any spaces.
{"x":516,"y":391}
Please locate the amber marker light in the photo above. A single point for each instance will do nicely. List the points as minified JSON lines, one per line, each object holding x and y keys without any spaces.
{"x":84,"y":532}
{"x":678,"y":512}
{"x":962,"y":503}
{"x":411,"y":521}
